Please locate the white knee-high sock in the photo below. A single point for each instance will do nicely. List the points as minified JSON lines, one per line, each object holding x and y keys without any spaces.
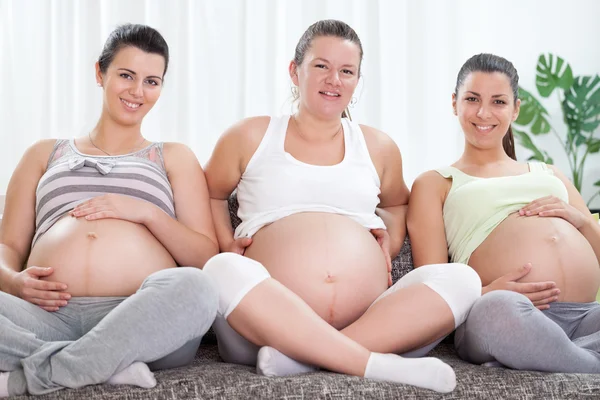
{"x":4,"y":384}
{"x":271,"y":362}
{"x":137,"y":374}
{"x":428,"y":372}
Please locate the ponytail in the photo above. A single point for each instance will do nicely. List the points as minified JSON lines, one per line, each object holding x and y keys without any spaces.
{"x":508,"y":142}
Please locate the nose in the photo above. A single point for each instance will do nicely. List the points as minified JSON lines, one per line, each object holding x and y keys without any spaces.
{"x":483,"y":112}
{"x":333,"y":78}
{"x":137,"y":89}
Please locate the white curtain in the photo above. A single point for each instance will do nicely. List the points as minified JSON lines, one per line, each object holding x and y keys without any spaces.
{"x":229,"y":60}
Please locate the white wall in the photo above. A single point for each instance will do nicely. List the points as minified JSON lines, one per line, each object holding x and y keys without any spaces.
{"x":230,"y":57}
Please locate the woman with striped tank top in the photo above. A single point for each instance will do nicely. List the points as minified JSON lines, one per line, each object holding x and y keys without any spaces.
{"x":91,"y":239}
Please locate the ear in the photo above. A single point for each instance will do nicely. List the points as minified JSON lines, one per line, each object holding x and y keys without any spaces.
{"x":293,"y":70}
{"x":99,"y":77}
{"x":454,"y":104}
{"x":517,"y":109}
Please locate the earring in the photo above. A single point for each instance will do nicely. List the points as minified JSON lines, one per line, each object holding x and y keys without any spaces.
{"x":295,"y":92}
{"x":353,"y":101}
{"x":99,"y":84}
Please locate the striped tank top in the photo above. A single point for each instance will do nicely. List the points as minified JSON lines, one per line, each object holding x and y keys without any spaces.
{"x":72,"y":177}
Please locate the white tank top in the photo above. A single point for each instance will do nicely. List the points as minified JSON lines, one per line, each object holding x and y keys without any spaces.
{"x":276,"y":185}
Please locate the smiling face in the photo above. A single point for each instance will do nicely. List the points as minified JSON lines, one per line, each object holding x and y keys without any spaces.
{"x":485,"y":107}
{"x":132,"y":85}
{"x":327,"y":77}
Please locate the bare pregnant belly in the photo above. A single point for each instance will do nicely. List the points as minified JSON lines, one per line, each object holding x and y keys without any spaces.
{"x":556,"y":249}
{"x":330,"y":261}
{"x":106,"y":257}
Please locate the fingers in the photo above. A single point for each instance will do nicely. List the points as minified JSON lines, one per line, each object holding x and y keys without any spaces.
{"x":100,"y":215}
{"x":543,"y":297}
{"x":535,"y":287}
{"x":518,"y":273}
{"x":53,"y":304}
{"x":36,"y":284}
{"x":39,"y":271}
{"x":45,"y":295}
{"x":244,"y":242}
{"x":538,"y":205}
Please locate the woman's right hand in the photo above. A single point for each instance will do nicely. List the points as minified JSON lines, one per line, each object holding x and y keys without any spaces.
{"x":540,"y":293}
{"x":46,"y":294}
{"x":239,"y":245}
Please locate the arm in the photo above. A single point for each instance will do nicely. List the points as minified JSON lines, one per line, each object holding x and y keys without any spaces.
{"x":190,"y":239}
{"x":425,"y":219}
{"x":224,"y":170}
{"x":17,"y":230}
{"x":393,"y":198}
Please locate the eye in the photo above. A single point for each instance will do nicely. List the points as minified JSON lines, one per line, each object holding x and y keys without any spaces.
{"x":125,"y":75}
{"x":322,"y":66}
{"x":471,"y":98}
{"x":348,"y":72}
{"x":501,"y":102}
{"x":152,"y":82}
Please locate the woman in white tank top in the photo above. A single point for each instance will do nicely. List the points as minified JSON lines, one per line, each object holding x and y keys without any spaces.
{"x":322,"y":203}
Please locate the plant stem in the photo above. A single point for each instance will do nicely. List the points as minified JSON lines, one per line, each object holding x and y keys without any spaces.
{"x":592,"y":198}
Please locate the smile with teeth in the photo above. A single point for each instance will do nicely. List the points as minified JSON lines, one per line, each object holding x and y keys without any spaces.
{"x":130,"y":105}
{"x":484,"y":128}
{"x":332,"y":94}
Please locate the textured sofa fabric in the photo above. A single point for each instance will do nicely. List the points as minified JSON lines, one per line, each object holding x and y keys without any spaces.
{"x":209,"y":378}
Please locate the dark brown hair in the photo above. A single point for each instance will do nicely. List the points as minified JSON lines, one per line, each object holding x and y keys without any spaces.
{"x":142,"y":37}
{"x":492,"y":63}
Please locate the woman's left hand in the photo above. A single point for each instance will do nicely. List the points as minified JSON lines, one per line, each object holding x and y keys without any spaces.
{"x":383,"y":238}
{"x":115,"y":206}
{"x":551,"y":206}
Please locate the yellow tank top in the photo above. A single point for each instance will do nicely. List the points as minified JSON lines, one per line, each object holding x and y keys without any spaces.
{"x":475,"y":206}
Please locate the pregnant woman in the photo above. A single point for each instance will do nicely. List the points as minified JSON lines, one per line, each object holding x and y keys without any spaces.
{"x":306,"y":273}
{"x":522,"y":226}
{"x":100,"y":224}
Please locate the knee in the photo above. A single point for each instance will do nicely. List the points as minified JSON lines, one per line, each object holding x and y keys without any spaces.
{"x":234,"y":276}
{"x":192,"y":288}
{"x":466,"y":281}
{"x":458,"y":284}
{"x":500,"y":306}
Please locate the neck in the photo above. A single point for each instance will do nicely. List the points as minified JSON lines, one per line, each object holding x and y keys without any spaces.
{"x":114,"y":138}
{"x":314,"y":128}
{"x":479,"y":157}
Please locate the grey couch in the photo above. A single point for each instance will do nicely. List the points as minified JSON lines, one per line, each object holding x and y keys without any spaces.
{"x":209,"y":378}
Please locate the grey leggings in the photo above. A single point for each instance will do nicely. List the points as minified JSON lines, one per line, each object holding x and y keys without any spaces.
{"x":91,"y":339}
{"x":506,"y":327}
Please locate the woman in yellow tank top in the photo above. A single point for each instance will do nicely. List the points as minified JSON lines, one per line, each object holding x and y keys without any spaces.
{"x":522,"y":226}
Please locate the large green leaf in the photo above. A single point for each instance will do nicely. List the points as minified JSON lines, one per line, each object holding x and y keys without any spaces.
{"x":532,"y":110}
{"x":594,"y":146}
{"x":526,"y":142}
{"x":581,"y":108}
{"x":552,"y":72}
{"x":597,"y":183}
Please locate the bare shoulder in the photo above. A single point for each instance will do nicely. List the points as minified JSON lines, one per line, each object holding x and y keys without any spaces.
{"x":433,"y":183}
{"x":249,"y":130}
{"x":377,"y":141}
{"x":39,"y":152}
{"x":176,"y":154}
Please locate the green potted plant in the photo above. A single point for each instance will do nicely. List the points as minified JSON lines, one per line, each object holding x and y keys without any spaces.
{"x":579,"y":97}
